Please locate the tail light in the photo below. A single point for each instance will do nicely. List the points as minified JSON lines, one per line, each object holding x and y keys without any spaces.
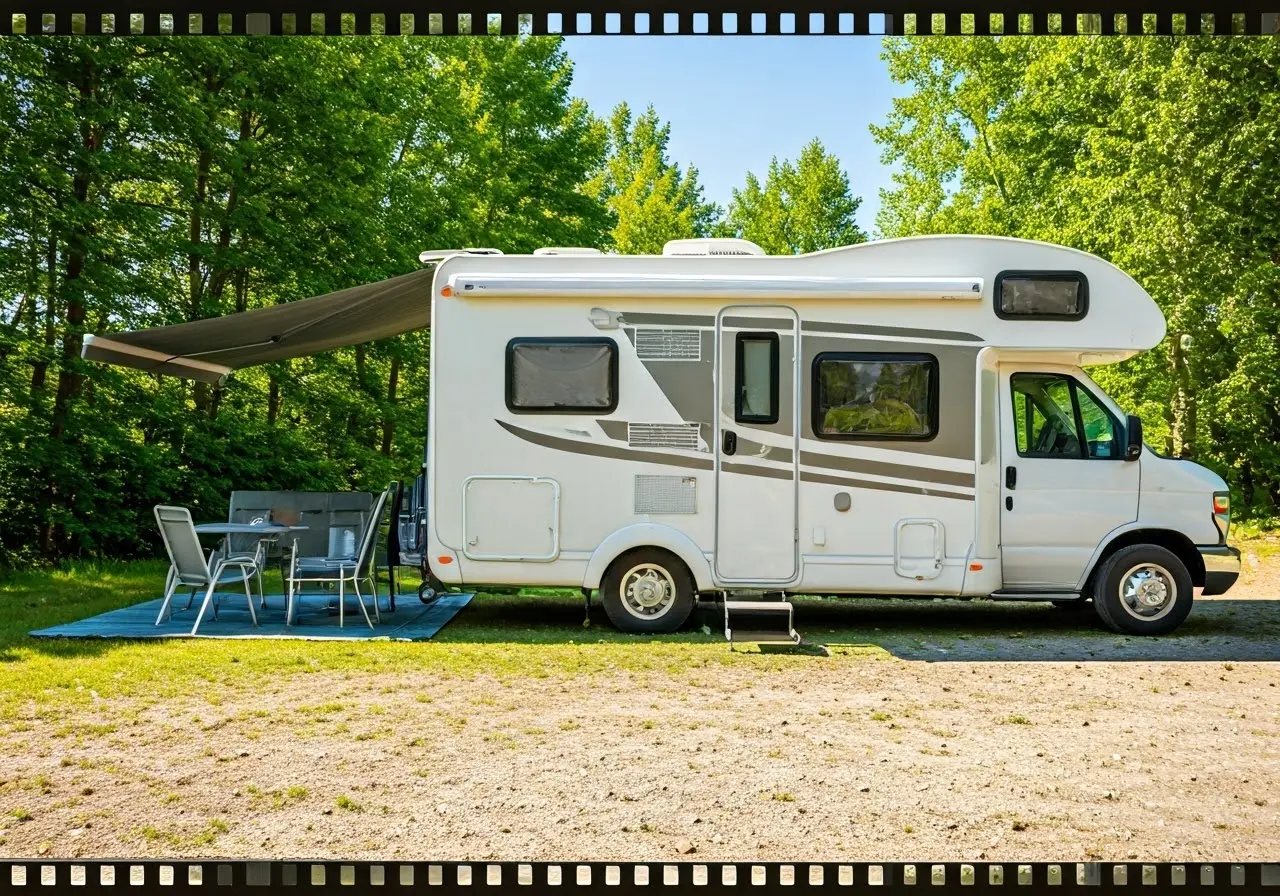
{"x":1222,"y":512}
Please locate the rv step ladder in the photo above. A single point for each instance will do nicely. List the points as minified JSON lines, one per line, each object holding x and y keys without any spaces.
{"x":758,"y":622}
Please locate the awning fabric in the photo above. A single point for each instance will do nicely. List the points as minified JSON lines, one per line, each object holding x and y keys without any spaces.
{"x":208,"y":350}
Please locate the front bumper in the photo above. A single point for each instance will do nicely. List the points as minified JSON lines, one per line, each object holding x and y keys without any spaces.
{"x":1221,"y":568}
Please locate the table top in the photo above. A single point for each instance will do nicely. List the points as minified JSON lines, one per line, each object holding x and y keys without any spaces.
{"x":247,"y":528}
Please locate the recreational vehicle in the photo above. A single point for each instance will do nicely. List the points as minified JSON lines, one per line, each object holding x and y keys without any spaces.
{"x":906,"y":417}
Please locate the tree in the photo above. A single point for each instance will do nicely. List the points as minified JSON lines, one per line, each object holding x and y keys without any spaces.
{"x":148,"y":181}
{"x":651,"y":199}
{"x":1159,"y":155}
{"x":802,"y":207}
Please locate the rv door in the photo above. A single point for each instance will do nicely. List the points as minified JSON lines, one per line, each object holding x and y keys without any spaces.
{"x":412,"y":519}
{"x":757,"y":445}
{"x":1065,"y":484}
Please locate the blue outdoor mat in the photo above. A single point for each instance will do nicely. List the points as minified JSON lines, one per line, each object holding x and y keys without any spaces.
{"x":410,"y":622}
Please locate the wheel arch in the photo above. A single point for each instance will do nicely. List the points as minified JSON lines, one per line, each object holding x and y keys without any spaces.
{"x":649,"y":535}
{"x":1180,"y":545}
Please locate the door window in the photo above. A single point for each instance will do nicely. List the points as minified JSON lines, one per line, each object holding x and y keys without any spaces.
{"x":1054,"y":416}
{"x":757,"y":374}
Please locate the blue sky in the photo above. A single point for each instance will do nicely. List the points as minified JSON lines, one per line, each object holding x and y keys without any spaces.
{"x":735,"y":102}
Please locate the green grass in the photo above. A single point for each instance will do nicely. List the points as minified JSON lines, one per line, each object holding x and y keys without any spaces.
{"x":537,"y":633}
{"x":492,"y":636}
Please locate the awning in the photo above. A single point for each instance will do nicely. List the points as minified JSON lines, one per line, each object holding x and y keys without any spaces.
{"x":208,"y":350}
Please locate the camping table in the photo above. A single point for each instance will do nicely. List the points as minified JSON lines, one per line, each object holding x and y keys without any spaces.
{"x":265,"y":531}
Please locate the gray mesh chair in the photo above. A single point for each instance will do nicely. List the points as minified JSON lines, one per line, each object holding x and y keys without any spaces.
{"x":189,"y":568}
{"x":354,"y":569}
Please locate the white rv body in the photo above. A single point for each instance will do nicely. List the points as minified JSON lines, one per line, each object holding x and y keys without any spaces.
{"x":553,"y":498}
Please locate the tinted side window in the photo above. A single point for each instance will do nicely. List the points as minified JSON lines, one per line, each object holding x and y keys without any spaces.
{"x":562,"y":375}
{"x":875,"y":396}
{"x":1055,"y":417}
{"x":1101,"y":432}
{"x":1051,"y":295}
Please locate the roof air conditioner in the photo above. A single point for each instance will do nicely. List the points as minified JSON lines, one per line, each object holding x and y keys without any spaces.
{"x":706,"y":247}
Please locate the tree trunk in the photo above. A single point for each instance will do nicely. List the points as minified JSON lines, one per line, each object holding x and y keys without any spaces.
{"x":195,"y":285}
{"x":273,"y":399}
{"x":1184,"y":403}
{"x":40,"y":368}
{"x":69,"y":374}
{"x":242,"y":290}
{"x":389,"y":414}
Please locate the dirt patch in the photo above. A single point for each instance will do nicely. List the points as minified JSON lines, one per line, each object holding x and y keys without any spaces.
{"x":999,"y":733}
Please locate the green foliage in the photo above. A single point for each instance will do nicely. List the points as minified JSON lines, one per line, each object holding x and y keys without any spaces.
{"x":651,"y":199}
{"x":1159,"y":154}
{"x":150,"y":181}
{"x":884,"y":416}
{"x":801,"y":207}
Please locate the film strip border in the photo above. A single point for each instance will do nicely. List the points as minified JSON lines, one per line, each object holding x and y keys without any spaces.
{"x":639,"y":17}
{"x":158,"y":876}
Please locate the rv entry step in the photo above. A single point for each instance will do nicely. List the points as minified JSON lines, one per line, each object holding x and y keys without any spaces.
{"x":760,"y":621}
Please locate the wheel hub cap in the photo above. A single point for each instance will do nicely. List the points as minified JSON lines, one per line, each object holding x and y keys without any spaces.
{"x":1148,"y":591}
{"x":648,"y":591}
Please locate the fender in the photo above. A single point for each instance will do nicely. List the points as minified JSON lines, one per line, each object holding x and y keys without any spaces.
{"x":643,"y":535}
{"x":1115,"y":533}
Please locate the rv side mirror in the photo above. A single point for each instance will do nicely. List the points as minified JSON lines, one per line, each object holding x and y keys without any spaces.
{"x":1133,"y":445}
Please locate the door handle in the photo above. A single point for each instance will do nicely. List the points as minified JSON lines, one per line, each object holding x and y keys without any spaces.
{"x":1011,"y":478}
{"x":730,"y":441}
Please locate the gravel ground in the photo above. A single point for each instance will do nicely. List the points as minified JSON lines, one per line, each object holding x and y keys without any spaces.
{"x":953,"y":731}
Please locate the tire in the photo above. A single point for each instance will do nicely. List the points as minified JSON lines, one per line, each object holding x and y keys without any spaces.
{"x":648,"y":591}
{"x":1130,"y":571}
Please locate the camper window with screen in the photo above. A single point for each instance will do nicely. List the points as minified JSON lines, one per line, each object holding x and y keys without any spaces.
{"x":757,"y":377}
{"x":875,"y":396}
{"x":1041,"y":296}
{"x":1050,"y":411}
{"x":562,"y":376}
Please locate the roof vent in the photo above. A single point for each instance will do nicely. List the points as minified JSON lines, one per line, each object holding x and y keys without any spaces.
{"x":567,"y":250}
{"x":712,"y":247}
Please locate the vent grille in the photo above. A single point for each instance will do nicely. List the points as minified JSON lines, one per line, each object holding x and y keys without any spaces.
{"x":663,"y":435}
{"x":666,"y":494}
{"x":657,"y":344}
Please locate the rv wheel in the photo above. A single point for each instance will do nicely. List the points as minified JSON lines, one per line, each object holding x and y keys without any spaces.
{"x":647,"y":591}
{"x":1143,"y":589}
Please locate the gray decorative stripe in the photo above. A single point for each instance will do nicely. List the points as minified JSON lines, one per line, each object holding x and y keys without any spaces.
{"x":591,"y":449}
{"x":764,"y":472}
{"x":883,"y":468}
{"x":881,"y":486}
{"x":668,"y":320}
{"x":748,"y":448}
{"x":614,"y":429}
{"x":819,"y":326}
{"x":760,"y":323}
